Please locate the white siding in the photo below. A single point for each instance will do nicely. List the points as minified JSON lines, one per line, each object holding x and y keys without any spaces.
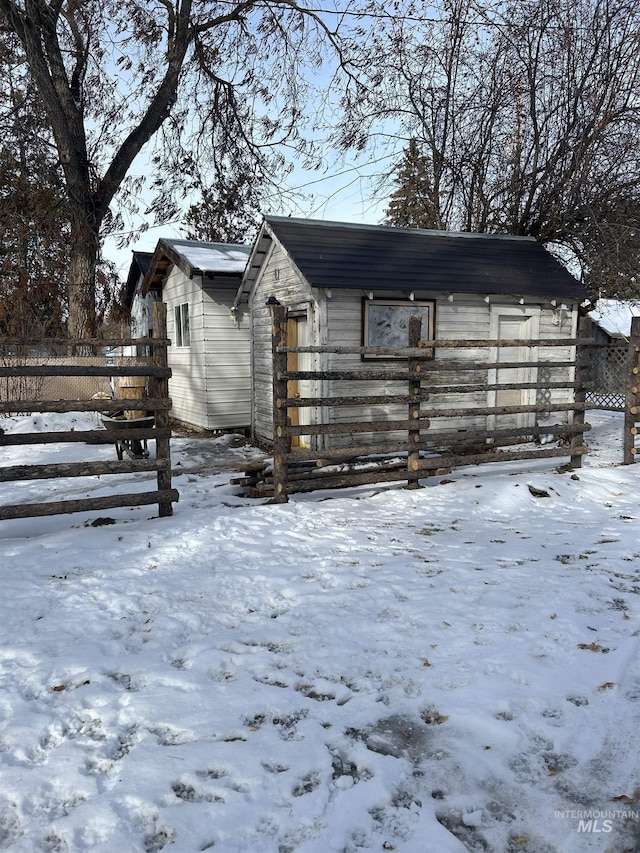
{"x":278,"y":278}
{"x":226,"y":346}
{"x":337,"y":320}
{"x":210,"y":383}
{"x":466,"y":317}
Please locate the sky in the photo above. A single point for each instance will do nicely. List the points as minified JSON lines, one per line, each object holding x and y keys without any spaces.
{"x":345,"y":188}
{"x":443,"y":670}
{"x":344,"y":191}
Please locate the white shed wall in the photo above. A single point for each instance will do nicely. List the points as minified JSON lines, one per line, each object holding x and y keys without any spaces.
{"x":337,"y":320}
{"x":280,"y":279}
{"x":210,"y":383}
{"x":142,"y":313}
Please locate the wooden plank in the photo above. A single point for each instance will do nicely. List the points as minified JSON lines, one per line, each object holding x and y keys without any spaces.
{"x":455,"y":461}
{"x":425,"y":392}
{"x":342,"y":375}
{"x":417,"y":352}
{"x":281,"y":442}
{"x":115,"y":404}
{"x":437,"y":466}
{"x":425,"y":416}
{"x":89,"y":436}
{"x":346,"y":428}
{"x":630,"y":409}
{"x":583,"y":358}
{"x":443,"y":365}
{"x":403,"y":375}
{"x":433,"y":440}
{"x":413,"y":409}
{"x":79,"y":370}
{"x":378,"y":400}
{"x":15,"y":473}
{"x":503,"y":410}
{"x":336,"y":480}
{"x":159,"y":385}
{"x":87,"y":504}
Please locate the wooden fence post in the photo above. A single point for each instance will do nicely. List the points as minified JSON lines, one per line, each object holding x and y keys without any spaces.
{"x":160,"y":387}
{"x":632,"y":394}
{"x":415,"y":380}
{"x":281,"y":442}
{"x":580,"y":394}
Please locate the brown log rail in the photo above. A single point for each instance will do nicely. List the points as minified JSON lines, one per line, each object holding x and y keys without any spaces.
{"x":155,"y":401}
{"x":632,"y":394}
{"x":428,"y":448}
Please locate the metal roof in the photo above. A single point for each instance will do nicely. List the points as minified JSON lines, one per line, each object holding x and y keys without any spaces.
{"x":375,"y":257}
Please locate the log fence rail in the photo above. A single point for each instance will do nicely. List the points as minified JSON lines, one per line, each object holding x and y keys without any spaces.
{"x":430,"y":447}
{"x":153,"y":399}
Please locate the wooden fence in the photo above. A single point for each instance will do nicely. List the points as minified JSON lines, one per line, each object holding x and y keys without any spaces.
{"x":432,"y":441}
{"x":154,"y":402}
{"x":632,"y":394}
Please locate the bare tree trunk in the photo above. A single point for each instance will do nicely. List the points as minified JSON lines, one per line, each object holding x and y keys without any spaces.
{"x":81,"y":285}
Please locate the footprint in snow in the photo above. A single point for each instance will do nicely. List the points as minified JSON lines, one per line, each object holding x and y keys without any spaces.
{"x":170,"y":736}
{"x":190,"y":793}
{"x":633,"y":694}
{"x":306,"y":785}
{"x":11,"y":828}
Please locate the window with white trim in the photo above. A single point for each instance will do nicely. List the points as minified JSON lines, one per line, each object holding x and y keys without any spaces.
{"x":181,"y":317}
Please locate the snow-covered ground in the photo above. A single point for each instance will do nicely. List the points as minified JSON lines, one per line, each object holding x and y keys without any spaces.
{"x":432,"y":671}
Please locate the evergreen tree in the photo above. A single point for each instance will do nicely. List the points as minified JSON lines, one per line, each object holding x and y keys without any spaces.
{"x":528,"y":113}
{"x":413,"y":204}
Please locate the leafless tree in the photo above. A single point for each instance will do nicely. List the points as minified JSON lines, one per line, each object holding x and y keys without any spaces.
{"x":173,"y":80}
{"x":33,"y":260}
{"x":529,"y":112}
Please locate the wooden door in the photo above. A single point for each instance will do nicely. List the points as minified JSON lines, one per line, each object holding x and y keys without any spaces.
{"x":298,"y":336}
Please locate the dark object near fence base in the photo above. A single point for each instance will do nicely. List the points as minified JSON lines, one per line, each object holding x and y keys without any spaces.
{"x":132,"y":441}
{"x":136,"y":448}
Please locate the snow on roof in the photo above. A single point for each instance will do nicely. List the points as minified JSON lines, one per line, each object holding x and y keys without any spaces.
{"x":218,"y":257}
{"x":614,"y":316}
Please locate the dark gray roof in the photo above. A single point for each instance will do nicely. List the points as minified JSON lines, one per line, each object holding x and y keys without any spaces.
{"x":374,"y":257}
{"x":139,"y":265}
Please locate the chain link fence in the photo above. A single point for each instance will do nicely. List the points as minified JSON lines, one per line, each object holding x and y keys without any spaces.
{"x":50,"y":388}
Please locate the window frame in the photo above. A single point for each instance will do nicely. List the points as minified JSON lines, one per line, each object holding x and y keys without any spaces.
{"x":425,"y":308}
{"x":182,"y":327}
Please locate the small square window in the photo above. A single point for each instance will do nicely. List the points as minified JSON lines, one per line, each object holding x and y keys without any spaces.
{"x":385,"y":323}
